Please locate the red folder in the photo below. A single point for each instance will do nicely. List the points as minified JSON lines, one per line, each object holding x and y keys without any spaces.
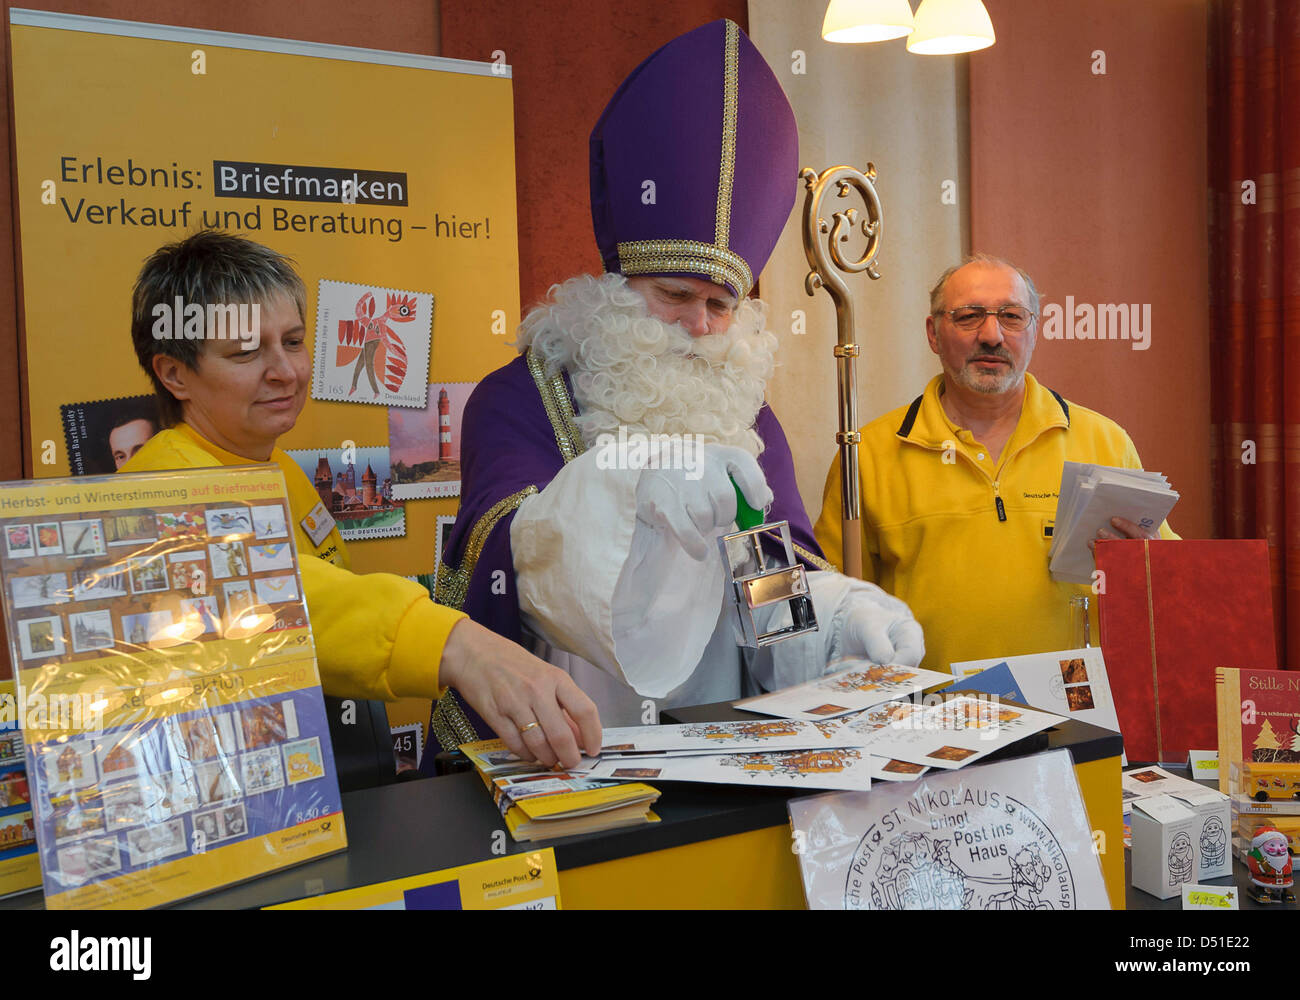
{"x":1170,"y":613}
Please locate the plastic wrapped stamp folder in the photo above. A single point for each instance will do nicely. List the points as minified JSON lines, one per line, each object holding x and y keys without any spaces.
{"x":167,"y":691}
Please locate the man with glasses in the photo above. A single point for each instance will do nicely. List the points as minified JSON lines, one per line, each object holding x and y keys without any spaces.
{"x":959,"y":489}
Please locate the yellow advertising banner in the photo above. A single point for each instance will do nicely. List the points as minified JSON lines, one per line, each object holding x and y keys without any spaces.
{"x":388,"y":178}
{"x":515,"y":882}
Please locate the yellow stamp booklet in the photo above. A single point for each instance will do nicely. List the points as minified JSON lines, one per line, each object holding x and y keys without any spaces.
{"x":172,"y":721}
{"x":538,"y":803}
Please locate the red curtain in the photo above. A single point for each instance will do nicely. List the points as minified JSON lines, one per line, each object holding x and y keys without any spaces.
{"x":1254,"y":249}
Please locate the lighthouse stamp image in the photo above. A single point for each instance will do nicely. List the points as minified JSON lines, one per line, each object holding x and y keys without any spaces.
{"x":356,"y":487}
{"x":372,"y":344}
{"x":425,"y":444}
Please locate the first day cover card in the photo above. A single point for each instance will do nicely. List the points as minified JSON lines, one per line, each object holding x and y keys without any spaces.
{"x":828,"y":767}
{"x":1070,"y":682}
{"x":857,"y":685}
{"x":950,"y":734}
{"x":712,"y":737}
{"x":1007,"y":836}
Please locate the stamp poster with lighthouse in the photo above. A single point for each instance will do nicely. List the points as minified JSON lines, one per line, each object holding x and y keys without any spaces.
{"x":425,"y":444}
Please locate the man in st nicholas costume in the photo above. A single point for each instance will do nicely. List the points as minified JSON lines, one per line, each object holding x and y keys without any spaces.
{"x":615,"y":574}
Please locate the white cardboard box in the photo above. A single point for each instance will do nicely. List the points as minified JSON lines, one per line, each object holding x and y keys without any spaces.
{"x":1179,"y":839}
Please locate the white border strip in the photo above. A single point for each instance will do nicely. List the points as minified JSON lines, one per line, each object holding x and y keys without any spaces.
{"x":256,"y":43}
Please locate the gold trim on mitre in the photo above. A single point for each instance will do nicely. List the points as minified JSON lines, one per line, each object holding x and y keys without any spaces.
{"x":730,"y":101}
{"x":689,"y":256}
{"x":715,"y":260}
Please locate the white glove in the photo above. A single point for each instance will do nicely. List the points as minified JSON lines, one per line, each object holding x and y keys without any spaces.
{"x":693,"y":510}
{"x":879,"y":628}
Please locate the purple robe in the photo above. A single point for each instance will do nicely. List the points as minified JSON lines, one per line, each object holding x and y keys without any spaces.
{"x":508,"y":444}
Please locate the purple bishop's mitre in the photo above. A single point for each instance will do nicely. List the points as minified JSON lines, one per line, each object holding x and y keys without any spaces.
{"x":706,"y":121}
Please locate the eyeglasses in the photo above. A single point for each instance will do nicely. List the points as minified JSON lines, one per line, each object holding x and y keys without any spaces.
{"x":1011,"y":318}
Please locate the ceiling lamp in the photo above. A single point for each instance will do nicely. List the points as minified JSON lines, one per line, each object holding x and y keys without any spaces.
{"x":866,"y":20}
{"x":946,"y":27}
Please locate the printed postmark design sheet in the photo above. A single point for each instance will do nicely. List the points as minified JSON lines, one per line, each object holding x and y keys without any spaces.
{"x":1013,"y":835}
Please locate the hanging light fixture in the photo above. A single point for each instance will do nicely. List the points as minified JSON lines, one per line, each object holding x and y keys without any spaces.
{"x":940,"y":27}
{"x":946,"y":27}
{"x":866,"y":20}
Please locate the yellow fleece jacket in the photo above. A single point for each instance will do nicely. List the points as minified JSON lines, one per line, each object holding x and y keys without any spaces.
{"x":377,"y":635}
{"x":932,"y":534}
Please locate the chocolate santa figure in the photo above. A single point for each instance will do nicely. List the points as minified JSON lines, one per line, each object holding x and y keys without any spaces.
{"x":1269,"y":861}
{"x":1214,"y":843}
{"x":1180,"y":859}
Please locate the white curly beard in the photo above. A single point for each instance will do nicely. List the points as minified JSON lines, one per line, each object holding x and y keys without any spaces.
{"x":630,"y":369}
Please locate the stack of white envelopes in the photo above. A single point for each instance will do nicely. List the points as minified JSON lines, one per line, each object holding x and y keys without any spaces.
{"x":1090,"y":496}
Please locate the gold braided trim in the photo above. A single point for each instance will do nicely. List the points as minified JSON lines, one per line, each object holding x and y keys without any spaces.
{"x":665,"y":256}
{"x":559,"y":408}
{"x":453,"y":584}
{"x":727,"y":171}
{"x":448,"y":589}
{"x":450,"y":724}
{"x":807,"y":556}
